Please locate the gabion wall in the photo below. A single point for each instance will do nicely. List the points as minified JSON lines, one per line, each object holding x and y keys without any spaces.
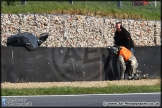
{"x":78,"y":30}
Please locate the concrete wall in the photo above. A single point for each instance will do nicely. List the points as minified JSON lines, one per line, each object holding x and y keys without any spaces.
{"x":79,"y":31}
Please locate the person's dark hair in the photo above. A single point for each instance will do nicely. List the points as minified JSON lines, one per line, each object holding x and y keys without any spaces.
{"x":120,"y":24}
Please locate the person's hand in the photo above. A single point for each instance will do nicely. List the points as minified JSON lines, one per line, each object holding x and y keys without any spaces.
{"x":115,"y":45}
{"x":108,"y":47}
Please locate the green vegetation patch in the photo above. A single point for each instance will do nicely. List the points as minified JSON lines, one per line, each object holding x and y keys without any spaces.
{"x":81,"y":90}
{"x":90,"y":8}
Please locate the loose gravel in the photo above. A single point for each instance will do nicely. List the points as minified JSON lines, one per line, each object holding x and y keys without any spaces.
{"x":80,"y":83}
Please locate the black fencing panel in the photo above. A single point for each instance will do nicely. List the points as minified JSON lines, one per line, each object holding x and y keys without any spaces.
{"x":20,"y":65}
{"x":71,"y":64}
{"x":77,"y":64}
{"x":51,"y":64}
{"x":149,"y":59}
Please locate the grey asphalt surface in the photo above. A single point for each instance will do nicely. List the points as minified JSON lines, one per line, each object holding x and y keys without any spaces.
{"x":85,"y":100}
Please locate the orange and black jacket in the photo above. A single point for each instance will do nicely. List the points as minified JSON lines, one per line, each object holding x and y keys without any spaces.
{"x":123,"y":38}
{"x":125,"y":53}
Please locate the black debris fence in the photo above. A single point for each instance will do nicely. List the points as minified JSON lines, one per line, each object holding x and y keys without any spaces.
{"x":64,"y":64}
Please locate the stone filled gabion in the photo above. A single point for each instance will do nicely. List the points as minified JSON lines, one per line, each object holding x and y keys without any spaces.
{"x":77,"y":30}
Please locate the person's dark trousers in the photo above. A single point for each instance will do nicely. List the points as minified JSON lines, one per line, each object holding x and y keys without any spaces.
{"x":132,"y":50}
{"x":71,"y":1}
{"x":23,"y":2}
{"x":10,"y":2}
{"x":119,"y":4}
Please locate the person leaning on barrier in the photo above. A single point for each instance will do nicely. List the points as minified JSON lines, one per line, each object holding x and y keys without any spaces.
{"x":126,"y":60}
{"x":122,"y":37}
